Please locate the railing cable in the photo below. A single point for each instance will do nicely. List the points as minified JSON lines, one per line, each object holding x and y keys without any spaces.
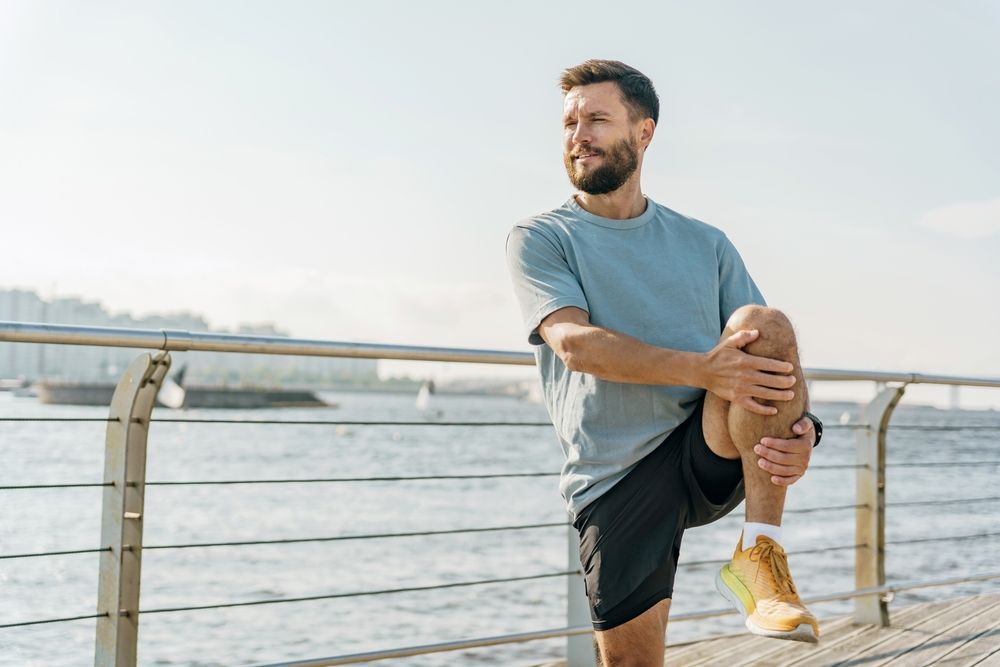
{"x":347,"y":538}
{"x":953,"y":501}
{"x":334,"y":596}
{"x":58,"y":419}
{"x":334,"y":480}
{"x":81,"y":485}
{"x":345,"y":422}
{"x":55,"y":553}
{"x":50,"y":620}
{"x":940,"y":464}
{"x":950,"y":538}
{"x":944,"y":427}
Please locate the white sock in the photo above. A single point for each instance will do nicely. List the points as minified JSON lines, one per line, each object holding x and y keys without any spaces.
{"x":752,"y":530}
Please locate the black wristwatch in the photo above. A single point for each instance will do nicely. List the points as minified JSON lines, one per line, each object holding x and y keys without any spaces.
{"x":817,"y":426}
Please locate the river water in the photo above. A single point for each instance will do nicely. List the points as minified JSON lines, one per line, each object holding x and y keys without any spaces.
{"x":62,"y":519}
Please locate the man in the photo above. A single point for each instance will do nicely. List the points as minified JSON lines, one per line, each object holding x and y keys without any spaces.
{"x":673,"y":389}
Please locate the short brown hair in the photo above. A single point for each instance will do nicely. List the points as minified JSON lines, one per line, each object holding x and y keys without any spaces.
{"x":637,"y":90}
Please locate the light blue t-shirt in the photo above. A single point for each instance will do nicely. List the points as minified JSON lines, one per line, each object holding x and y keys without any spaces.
{"x":666,"y":279}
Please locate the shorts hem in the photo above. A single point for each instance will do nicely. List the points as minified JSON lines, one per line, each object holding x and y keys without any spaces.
{"x":635,"y":612}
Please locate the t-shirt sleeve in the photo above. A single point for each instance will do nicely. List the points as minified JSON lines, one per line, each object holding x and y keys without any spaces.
{"x":543,"y":280}
{"x":736,"y":287}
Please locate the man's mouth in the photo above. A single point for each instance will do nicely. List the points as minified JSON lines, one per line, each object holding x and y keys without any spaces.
{"x":584,"y":156}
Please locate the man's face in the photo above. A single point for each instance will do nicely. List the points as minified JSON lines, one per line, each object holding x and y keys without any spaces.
{"x":600,"y":146}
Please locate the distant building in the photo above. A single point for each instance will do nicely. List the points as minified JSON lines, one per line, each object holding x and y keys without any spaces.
{"x":81,"y":363}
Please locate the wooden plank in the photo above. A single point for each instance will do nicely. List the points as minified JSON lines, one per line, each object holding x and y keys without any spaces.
{"x":828,"y":654}
{"x":784,"y":653}
{"x":916,"y":633}
{"x":975,"y":651}
{"x":948,"y":640}
{"x":919,"y":634}
{"x":949,"y":633}
{"x":993,"y":660}
{"x":697,"y":653}
{"x":765,"y":646}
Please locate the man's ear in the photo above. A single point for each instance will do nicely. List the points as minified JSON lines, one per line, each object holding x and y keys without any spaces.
{"x":646,"y":131}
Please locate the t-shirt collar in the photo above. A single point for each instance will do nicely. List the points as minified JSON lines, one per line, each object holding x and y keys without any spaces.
{"x":629,"y":223}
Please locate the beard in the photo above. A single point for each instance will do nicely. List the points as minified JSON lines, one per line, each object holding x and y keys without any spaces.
{"x":618,"y":164}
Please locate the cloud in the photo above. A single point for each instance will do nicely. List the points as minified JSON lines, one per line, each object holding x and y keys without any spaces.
{"x":969,"y":220}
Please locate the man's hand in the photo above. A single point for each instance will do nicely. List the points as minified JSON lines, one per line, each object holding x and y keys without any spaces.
{"x":740,"y":378}
{"x":787,"y":459}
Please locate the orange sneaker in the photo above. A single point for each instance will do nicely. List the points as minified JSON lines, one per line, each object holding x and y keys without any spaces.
{"x":757,"y":582}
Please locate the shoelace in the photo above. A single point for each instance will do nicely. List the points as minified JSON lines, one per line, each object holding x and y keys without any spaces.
{"x":774,"y":555}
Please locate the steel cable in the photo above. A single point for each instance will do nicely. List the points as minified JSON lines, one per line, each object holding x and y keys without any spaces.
{"x":424,"y":478}
{"x":335,"y":480}
{"x":55,"y":553}
{"x":334,"y":596}
{"x":939,"y":464}
{"x":50,"y":620}
{"x":59,"y":419}
{"x":340,"y":422}
{"x":347,"y":538}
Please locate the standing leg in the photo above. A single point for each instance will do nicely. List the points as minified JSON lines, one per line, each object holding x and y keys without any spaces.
{"x":638,"y":643}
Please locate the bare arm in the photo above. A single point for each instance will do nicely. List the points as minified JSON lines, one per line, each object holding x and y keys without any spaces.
{"x":610,"y":355}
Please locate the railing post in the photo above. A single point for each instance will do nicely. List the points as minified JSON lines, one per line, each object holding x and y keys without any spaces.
{"x":869,"y":560}
{"x":121,"y":524}
{"x":579,"y":648}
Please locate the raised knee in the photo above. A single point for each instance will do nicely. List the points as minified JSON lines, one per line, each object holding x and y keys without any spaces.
{"x":757,"y":317}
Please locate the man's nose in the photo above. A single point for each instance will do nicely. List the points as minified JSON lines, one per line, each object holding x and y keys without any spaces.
{"x":581,"y":135}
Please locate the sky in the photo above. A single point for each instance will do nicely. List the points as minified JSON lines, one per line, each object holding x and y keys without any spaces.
{"x":349,"y":171}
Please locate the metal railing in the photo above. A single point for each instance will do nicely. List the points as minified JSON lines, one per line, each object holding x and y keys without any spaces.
{"x":118,"y":611}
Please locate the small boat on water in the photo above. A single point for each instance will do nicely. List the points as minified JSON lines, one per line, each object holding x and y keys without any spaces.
{"x":243,"y":398}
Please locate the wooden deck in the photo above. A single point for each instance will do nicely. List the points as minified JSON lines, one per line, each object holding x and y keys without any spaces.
{"x":953,"y":633}
{"x":957,"y":633}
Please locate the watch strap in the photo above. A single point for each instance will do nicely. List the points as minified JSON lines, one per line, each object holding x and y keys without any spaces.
{"x":817,"y":426}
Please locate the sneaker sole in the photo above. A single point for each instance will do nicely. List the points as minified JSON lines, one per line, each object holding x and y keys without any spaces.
{"x":737,"y":594}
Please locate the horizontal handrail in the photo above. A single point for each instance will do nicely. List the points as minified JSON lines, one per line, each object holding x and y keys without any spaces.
{"x":834,"y":375}
{"x":182,"y":341}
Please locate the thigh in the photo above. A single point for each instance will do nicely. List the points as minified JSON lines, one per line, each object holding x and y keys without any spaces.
{"x":630,"y":536}
{"x":714,"y":483}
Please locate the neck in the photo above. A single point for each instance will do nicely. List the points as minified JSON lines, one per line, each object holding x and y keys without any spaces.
{"x":624,"y":203}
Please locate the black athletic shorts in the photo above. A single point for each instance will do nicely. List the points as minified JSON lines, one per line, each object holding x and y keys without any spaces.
{"x":630,"y":537}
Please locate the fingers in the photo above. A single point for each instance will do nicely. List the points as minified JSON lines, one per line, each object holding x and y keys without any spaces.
{"x":742,"y":338}
{"x":786,"y":459}
{"x":753,"y":406}
{"x":772,"y":394}
{"x":774,"y":381}
{"x":779,"y":470}
{"x":793,"y":458}
{"x":769,"y":365}
{"x":802,"y":426}
{"x":785,"y":481}
{"x":792,"y":445}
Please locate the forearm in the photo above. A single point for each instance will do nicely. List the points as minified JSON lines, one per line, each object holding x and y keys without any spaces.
{"x":617,"y":357}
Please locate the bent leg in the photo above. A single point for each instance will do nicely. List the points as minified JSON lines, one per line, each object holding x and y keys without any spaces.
{"x":638,"y":643}
{"x":757,"y":580}
{"x":765,"y":501}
